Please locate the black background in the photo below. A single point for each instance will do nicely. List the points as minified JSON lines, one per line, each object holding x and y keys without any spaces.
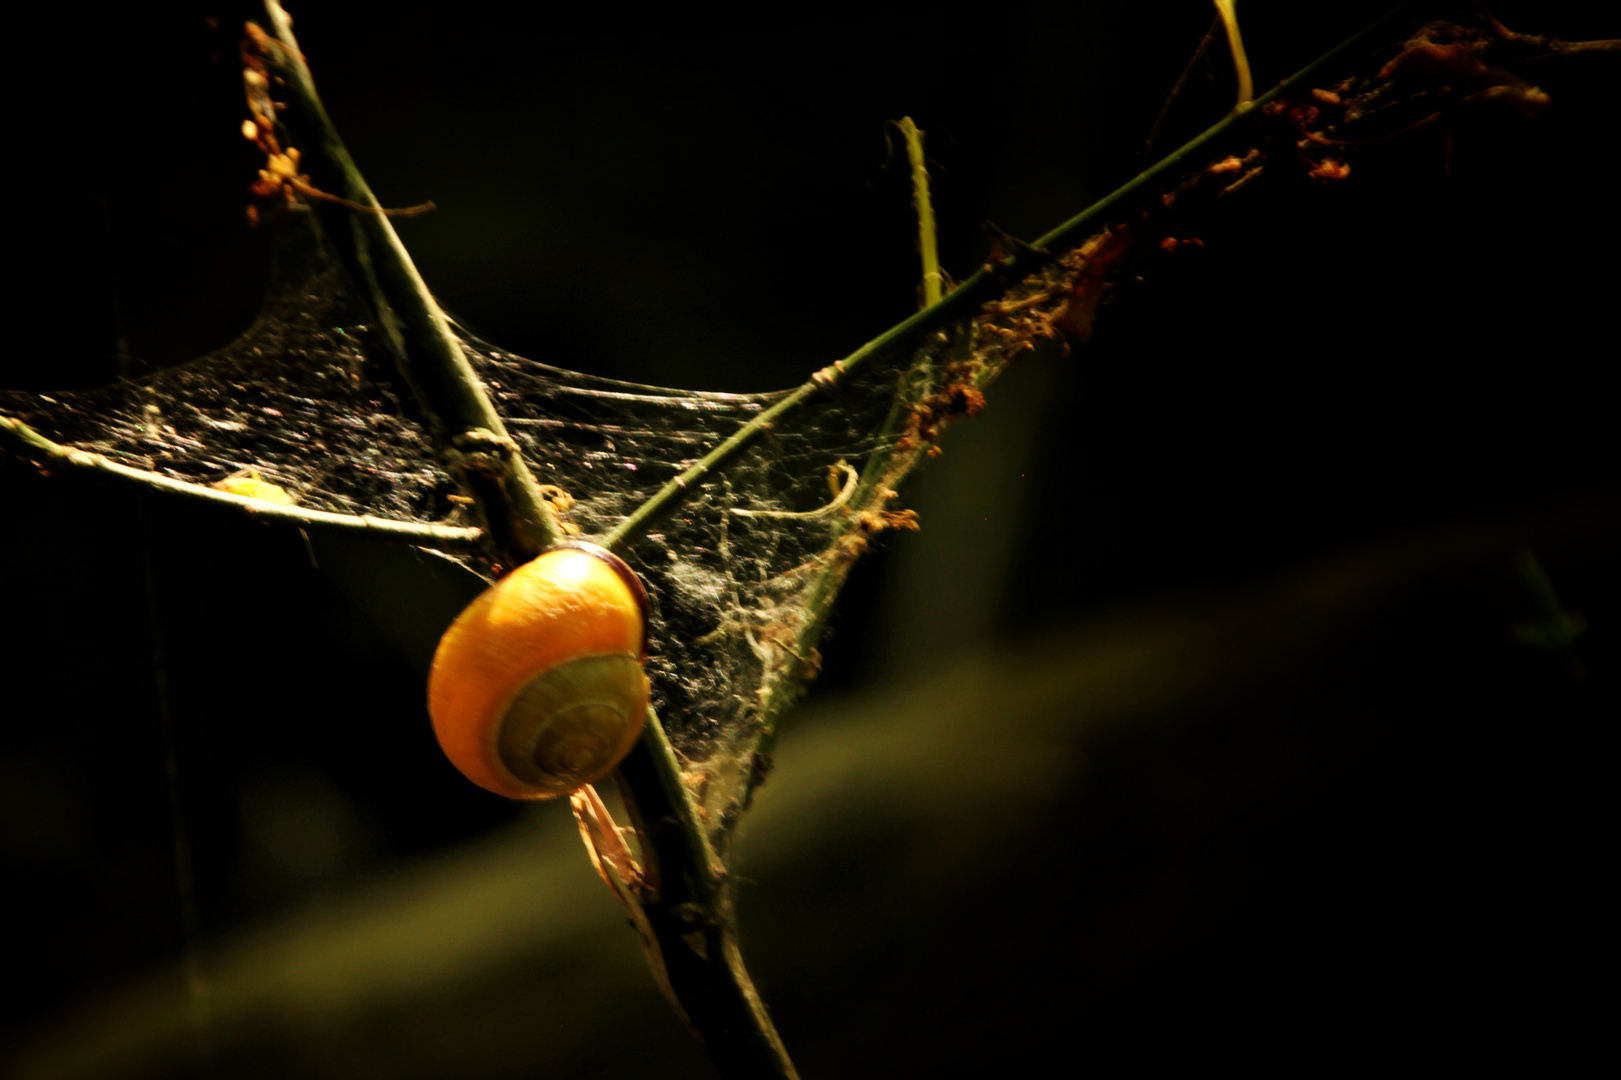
{"x":1409,"y":354}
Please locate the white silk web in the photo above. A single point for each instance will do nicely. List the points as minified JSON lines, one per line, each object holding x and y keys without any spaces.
{"x":308,"y":399}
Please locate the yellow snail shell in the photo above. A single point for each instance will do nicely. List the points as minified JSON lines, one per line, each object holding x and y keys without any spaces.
{"x":537,"y":689}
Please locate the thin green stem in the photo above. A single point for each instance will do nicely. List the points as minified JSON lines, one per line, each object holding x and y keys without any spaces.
{"x":1228,"y":10}
{"x":1181,"y":81}
{"x":689,"y":908}
{"x":933,"y":282}
{"x":440,"y":537}
{"x":674,"y":493}
{"x":185,"y":880}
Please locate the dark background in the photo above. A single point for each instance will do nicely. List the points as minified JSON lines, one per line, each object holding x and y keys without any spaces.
{"x":1406,"y":363}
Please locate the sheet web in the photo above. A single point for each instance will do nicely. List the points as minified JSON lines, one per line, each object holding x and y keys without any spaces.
{"x":308,"y":398}
{"x":726,"y":588}
{"x":729,"y":572}
{"x":303,"y":398}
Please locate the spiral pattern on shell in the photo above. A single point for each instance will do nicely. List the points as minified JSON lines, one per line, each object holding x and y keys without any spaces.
{"x":537,"y":688}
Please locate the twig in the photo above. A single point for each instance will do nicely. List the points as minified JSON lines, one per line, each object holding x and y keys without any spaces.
{"x":692,"y":915}
{"x":709,"y":977}
{"x":841,"y":498}
{"x":1547,"y":44}
{"x":1181,"y":81}
{"x":440,"y":537}
{"x":471,"y":435}
{"x":394,"y":212}
{"x":1228,"y":11}
{"x":927,"y":243}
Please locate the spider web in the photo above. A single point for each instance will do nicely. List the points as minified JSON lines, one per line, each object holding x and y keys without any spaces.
{"x":740,"y":573}
{"x":308,"y":398}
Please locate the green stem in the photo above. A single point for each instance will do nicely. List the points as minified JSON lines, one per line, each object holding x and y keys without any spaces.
{"x":692,"y":915}
{"x":691,"y":905}
{"x":471,"y":435}
{"x":926,"y":245}
{"x":1228,"y":10}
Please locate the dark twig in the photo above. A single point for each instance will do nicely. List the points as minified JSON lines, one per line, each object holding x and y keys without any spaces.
{"x":1180,"y":84}
{"x":1548,"y":44}
{"x":469,"y":431}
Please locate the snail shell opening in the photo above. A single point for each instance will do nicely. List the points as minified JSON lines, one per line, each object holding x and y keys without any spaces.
{"x":573,"y":723}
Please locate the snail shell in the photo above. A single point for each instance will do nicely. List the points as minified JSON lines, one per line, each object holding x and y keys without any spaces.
{"x":537,"y":689}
